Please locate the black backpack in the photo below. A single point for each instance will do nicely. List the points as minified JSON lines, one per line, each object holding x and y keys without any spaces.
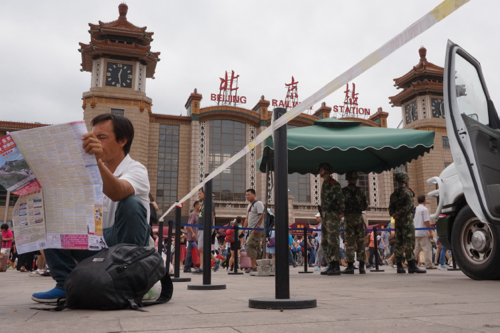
{"x":116,"y":278}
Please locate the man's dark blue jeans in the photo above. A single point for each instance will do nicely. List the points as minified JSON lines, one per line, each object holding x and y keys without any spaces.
{"x":189,"y":258}
{"x":131,"y":227}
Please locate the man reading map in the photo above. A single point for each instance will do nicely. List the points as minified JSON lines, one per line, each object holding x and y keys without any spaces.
{"x":125,"y":217}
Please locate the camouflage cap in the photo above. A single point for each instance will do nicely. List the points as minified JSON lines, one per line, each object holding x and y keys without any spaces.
{"x":352,"y":175}
{"x":402,"y":177}
{"x":326,"y":167}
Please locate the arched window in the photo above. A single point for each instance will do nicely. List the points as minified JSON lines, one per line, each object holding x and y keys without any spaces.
{"x":227,"y":138}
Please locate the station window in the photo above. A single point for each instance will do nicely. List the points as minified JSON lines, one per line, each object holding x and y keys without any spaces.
{"x":299,"y":187}
{"x":227,"y":137}
{"x":3,"y":198}
{"x":119,"y":112}
{"x":168,"y":167}
{"x":446,"y":142}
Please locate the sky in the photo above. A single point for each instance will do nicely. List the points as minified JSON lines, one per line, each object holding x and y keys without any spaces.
{"x":265,"y":42}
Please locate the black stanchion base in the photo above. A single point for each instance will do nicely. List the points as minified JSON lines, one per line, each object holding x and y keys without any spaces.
{"x":179,"y":279}
{"x":171,"y":274}
{"x":454,"y":269}
{"x":237,"y":273}
{"x":376,"y":270}
{"x":273,"y":303}
{"x":302,"y":272}
{"x":206,"y":286}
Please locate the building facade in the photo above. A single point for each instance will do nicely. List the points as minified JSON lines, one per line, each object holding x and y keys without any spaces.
{"x":179,"y":151}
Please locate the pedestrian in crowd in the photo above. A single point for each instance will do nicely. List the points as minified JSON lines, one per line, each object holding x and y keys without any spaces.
{"x":233,"y":242}
{"x":332,"y":206}
{"x":125,"y":185}
{"x":423,"y":237}
{"x":311,"y":243}
{"x":342,"y":251}
{"x":40,"y":262}
{"x":7,"y":238}
{"x":270,"y":244}
{"x":290,"y":247}
{"x":320,"y":254}
{"x":182,"y":248}
{"x":381,"y":246}
{"x":401,"y":209}
{"x":355,"y":203}
{"x":443,"y":253}
{"x":392,"y":235}
{"x":202,"y":217}
{"x":297,"y":250}
{"x":254,"y":220}
{"x":374,"y":254}
{"x":13,"y":256}
{"x":387,"y":249}
{"x":192,"y":236}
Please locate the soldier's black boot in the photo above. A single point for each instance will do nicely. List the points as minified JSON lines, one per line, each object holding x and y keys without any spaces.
{"x":329,"y":268}
{"x":362,"y":267}
{"x":412,"y":268}
{"x":349,"y":269}
{"x":400,"y":267}
{"x":335,"y":270}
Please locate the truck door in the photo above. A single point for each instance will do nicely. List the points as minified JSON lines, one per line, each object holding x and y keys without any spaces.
{"x":473,"y":129}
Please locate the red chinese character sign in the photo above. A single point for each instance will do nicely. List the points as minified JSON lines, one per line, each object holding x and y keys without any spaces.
{"x":228,"y":91}
{"x":350,"y":109}
{"x":292,"y":96}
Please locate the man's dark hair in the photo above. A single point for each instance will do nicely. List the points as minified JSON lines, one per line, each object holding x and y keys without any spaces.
{"x":4,"y":226}
{"x":195,"y":203}
{"x":251,"y":190}
{"x":239,"y":219}
{"x":122,"y":127}
{"x":421,"y":199}
{"x":201,"y":189}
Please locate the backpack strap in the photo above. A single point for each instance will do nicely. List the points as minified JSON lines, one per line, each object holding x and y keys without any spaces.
{"x":167,"y":289}
{"x":61,"y":305}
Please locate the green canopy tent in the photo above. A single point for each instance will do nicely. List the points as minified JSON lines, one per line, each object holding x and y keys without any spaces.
{"x":347,"y":146}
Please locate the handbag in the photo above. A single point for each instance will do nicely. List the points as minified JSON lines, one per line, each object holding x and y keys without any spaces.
{"x":271,"y":242}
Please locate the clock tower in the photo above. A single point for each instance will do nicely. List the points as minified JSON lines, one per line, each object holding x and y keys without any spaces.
{"x":120,"y":59}
{"x":422,"y":108}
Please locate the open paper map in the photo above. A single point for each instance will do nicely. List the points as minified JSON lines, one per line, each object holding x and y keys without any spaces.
{"x":60,"y":188}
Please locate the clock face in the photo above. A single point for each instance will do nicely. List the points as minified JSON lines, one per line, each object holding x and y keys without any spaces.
{"x":411,"y":112}
{"x":437,"y":106}
{"x":119,"y":75}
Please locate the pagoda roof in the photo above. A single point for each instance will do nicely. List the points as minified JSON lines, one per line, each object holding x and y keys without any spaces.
{"x":417,"y":88}
{"x":424,"y":78}
{"x":120,"y":38}
{"x":423,"y":68}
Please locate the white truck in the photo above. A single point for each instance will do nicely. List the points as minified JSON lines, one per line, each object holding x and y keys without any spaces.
{"x":468,"y":191}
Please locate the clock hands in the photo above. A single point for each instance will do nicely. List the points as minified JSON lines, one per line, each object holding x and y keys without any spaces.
{"x":120,"y":76}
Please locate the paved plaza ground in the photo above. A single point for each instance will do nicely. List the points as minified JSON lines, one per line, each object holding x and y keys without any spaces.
{"x":439,"y":301}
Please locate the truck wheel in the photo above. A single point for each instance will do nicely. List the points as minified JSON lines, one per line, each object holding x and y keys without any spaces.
{"x":476,"y":246}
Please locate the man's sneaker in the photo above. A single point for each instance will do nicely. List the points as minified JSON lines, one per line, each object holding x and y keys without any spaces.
{"x":187,"y":270}
{"x":50,"y":296}
{"x":443,"y":266}
{"x":198,"y":271}
{"x":317,"y":268}
{"x":216,"y":265}
{"x":35,"y":273}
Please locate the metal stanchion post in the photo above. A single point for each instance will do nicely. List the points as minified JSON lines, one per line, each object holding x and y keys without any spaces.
{"x":207,"y":244}
{"x":160,"y":238}
{"x":376,"y":251}
{"x":177,"y":262}
{"x":237,"y":245}
{"x":305,"y":260}
{"x":282,"y":298}
{"x":169,"y":246}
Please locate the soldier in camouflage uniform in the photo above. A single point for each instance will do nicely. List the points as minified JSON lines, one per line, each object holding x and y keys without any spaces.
{"x":401,"y":209}
{"x":354,"y":225}
{"x":332,"y":205}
